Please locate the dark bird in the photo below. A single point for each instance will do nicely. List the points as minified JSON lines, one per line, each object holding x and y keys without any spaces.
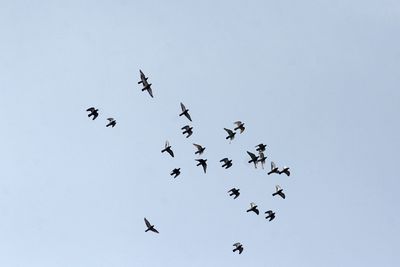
{"x":202,"y":162}
{"x":262,"y":159}
{"x":93,"y":112}
{"x":185,"y":112}
{"x":238,"y":247}
{"x":253,"y":207}
{"x":285,"y":170}
{"x":168,"y":149}
{"x":231,"y":134}
{"x":200,"y":149}
{"x":111,"y":122}
{"x":274,"y":169}
{"x":176,"y":172}
{"x":234,"y":192}
{"x":254,"y":159}
{"x":279,"y":191}
{"x":271,"y":215}
{"x":187,"y":130}
{"x":261,"y":147}
{"x":150,"y":227}
{"x":239,"y":126}
{"x":227,"y":163}
{"x":146,"y":85}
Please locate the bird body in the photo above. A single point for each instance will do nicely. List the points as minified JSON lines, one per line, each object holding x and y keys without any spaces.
{"x":185,"y":112}
{"x":187,"y":130}
{"x":93,"y":112}
{"x":150,"y":227}
{"x":262,"y":159}
{"x":227,"y":163}
{"x":261,"y":147}
{"x":111,"y":122}
{"x":271,"y":215}
{"x":200,"y":149}
{"x":253,"y":207}
{"x":176,"y":172}
{"x":238,"y":247}
{"x":239,"y":126}
{"x":231,"y":134}
{"x":279,"y":192}
{"x":168,"y":149}
{"x":146,"y":85}
{"x":234,"y":192}
{"x":254,"y":159}
{"x":203,"y":163}
{"x":285,"y":170}
{"x":274,"y":169}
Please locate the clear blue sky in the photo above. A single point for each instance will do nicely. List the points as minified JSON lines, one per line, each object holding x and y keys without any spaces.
{"x":318,"y":81}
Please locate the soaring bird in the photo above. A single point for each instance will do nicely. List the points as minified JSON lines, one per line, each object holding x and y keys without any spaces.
{"x":202,"y":162}
{"x":149,"y":226}
{"x":185,"y":112}
{"x":227,"y":163}
{"x":176,"y":172}
{"x":274,"y":169}
{"x":111,"y":122}
{"x":168,"y":149}
{"x":262,"y":159}
{"x":187,"y":130}
{"x":261,"y":147}
{"x":271,"y":215}
{"x":146,"y":85}
{"x":238,"y":247}
{"x":279,"y":191}
{"x":234,"y":192}
{"x":231,"y":134}
{"x":93,"y":112}
{"x":200,"y":149}
{"x":254,"y":159}
{"x":239,"y":126}
{"x":285,"y":170}
{"x":253,"y":207}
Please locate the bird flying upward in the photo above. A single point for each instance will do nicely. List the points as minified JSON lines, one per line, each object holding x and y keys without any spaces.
{"x":150,"y":227}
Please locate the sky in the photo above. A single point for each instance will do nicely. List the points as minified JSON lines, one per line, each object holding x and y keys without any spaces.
{"x":317,"y":81}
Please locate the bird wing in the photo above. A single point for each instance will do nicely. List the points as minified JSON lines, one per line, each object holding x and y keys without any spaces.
{"x":224,"y":160}
{"x":257,"y":211}
{"x":204,"y":167}
{"x":240,"y":249}
{"x":147,"y":223}
{"x":228,"y":131}
{"x":170,"y":152}
{"x":186,"y":127}
{"x":252,"y":204}
{"x":187,"y":115}
{"x":90,"y":109}
{"x":277,"y":187}
{"x":150,"y":91}
{"x":238,"y":123}
{"x":252,"y":156}
{"x":272,"y":165}
{"x":282,"y":194}
{"x":154,"y":230}
{"x":237,"y":244}
{"x":199,"y":147}
{"x":268,"y":212}
{"x":183,"y":107}
{"x":111,"y":119}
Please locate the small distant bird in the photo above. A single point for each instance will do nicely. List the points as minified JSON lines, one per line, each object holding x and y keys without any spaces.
{"x":185,"y":112}
{"x":227,"y":163}
{"x":168,"y":149}
{"x":231,"y":134}
{"x":239,"y":126}
{"x":187,"y":130}
{"x":111,"y":122}
{"x":93,"y":112}
{"x":279,"y":191}
{"x":271,"y":215}
{"x":261,"y":147}
{"x":274,"y":169}
{"x":253,"y":207}
{"x":146,"y":85}
{"x":234,"y":192}
{"x":238,"y":247}
{"x":200,"y":149}
{"x":203,"y":163}
{"x":254,"y":159}
{"x":262,"y":159}
{"x":176,"y":172}
{"x":285,"y":170}
{"x":150,"y":227}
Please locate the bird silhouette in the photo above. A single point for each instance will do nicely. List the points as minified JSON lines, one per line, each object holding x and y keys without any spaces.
{"x":176,"y":172}
{"x":279,"y":191}
{"x":185,"y":112}
{"x":200,"y":149}
{"x":111,"y":122}
{"x":227,"y":163}
{"x":146,"y":85}
{"x":150,"y":227}
{"x":274,"y":169}
{"x":238,"y":247}
{"x":261,"y":147}
{"x":187,"y":130}
{"x":203,"y":163}
{"x":234,"y":192}
{"x":168,"y":149}
{"x":285,"y":170}
{"x":271,"y":215}
{"x":231,"y":134}
{"x":254,"y":159}
{"x":262,"y":159}
{"x":239,"y":126}
{"x":253,"y":207}
{"x":93,"y":112}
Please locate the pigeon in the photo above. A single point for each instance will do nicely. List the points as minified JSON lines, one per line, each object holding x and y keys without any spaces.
{"x":200,"y":149}
{"x":150,"y":227}
{"x":93,"y":112}
{"x":176,"y":172}
{"x":262,"y":159}
{"x":187,"y":130}
{"x":227,"y":163}
{"x":239,"y":126}
{"x":285,"y":170}
{"x":234,"y":192}
{"x":203,"y":163}
{"x":185,"y":112}
{"x":271,"y":215}
{"x":168,"y":149}
{"x":112,"y":122}
{"x":279,"y":191}
{"x":253,"y":207}
{"x":274,"y":169}
{"x":231,"y":134}
{"x":146,"y":85}
{"x":238,"y":247}
{"x":261,"y":147}
{"x":254,"y":159}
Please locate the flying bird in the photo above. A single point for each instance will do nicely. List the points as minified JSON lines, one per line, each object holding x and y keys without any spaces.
{"x":200,"y":149}
{"x":254,"y":159}
{"x":238,"y":247}
{"x":176,"y":172}
{"x":168,"y":149}
{"x":253,"y":207}
{"x":185,"y":112}
{"x":285,"y":170}
{"x":93,"y":112}
{"x":239,"y":126}
{"x":271,"y":215}
{"x":227,"y":163}
{"x":111,"y":122}
{"x":146,"y":85}
{"x":274,"y":169}
{"x":262,"y":159}
{"x":261,"y":147}
{"x":203,"y":163}
{"x":187,"y":130}
{"x":279,"y":191}
{"x":150,"y":227}
{"x":234,"y":192}
{"x":231,"y":134}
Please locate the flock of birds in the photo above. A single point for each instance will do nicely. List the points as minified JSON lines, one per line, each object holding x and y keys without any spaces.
{"x":226,"y":162}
